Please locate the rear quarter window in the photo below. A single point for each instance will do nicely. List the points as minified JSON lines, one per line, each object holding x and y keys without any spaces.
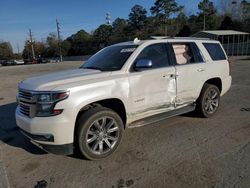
{"x":215,"y":51}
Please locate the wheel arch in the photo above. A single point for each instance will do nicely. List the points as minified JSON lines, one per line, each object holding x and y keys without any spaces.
{"x":215,"y":81}
{"x":112,"y":103}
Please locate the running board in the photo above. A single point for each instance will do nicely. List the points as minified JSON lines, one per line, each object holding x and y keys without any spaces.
{"x":162,"y":116}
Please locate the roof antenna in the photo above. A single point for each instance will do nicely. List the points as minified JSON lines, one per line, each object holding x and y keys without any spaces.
{"x":136,"y":40}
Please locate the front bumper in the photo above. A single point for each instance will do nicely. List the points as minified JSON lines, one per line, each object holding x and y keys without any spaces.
{"x":65,"y":149}
{"x":53,"y":134}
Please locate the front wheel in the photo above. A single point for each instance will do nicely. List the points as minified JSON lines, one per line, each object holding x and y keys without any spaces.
{"x":208,"y":101}
{"x":99,"y":133}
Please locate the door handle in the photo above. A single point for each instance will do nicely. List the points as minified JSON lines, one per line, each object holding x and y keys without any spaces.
{"x":200,"y":69}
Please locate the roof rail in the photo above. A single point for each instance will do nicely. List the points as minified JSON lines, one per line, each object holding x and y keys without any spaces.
{"x":168,"y":37}
{"x":195,"y":38}
{"x":160,"y":37}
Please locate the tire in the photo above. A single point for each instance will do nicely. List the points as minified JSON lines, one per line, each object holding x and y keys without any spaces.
{"x":99,"y":133}
{"x":208,"y":101}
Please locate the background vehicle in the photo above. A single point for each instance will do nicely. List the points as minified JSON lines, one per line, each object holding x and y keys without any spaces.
{"x":8,"y":62}
{"x":12,"y":62}
{"x":42,"y":60}
{"x":125,"y":85}
{"x":18,"y":62}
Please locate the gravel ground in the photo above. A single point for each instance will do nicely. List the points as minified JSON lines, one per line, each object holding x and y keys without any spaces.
{"x":184,"y":151}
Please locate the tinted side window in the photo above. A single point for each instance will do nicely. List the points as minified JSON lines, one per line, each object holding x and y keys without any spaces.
{"x":197,"y":53}
{"x":215,"y":51}
{"x":187,"y":53}
{"x":157,"y":53}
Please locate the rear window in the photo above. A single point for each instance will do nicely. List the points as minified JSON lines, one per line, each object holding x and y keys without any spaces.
{"x":215,"y":51}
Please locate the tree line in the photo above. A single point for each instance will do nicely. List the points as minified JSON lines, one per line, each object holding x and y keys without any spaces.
{"x":165,"y":17}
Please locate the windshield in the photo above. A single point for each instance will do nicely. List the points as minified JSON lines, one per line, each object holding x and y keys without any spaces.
{"x":110,"y":59}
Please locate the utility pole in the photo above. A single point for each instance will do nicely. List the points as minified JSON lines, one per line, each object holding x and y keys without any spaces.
{"x":32,"y":45}
{"x":108,"y":18}
{"x":165,"y":23}
{"x":206,"y":8}
{"x":59,"y":39}
{"x":234,"y":11}
{"x":18,"y":51}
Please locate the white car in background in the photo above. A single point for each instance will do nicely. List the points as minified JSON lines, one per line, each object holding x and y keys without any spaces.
{"x":18,"y":62}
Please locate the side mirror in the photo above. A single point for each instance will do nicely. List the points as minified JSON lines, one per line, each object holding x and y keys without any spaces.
{"x":143,"y":64}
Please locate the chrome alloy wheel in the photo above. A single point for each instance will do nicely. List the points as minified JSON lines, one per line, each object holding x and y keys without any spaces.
{"x":211,"y":101}
{"x":102,"y":135}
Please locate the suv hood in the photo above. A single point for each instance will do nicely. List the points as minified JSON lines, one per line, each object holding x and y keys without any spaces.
{"x":50,"y":81}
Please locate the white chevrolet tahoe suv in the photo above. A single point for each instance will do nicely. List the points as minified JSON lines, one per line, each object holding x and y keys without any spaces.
{"x":124,"y":85}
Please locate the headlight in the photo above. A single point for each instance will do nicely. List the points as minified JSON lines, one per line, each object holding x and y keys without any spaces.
{"x":47,"y":101}
{"x":44,"y":98}
{"x":51,"y":97}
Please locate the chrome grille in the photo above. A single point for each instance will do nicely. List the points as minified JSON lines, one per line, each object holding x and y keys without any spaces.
{"x":25,"y":94}
{"x":26,"y":103}
{"x":24,"y":109}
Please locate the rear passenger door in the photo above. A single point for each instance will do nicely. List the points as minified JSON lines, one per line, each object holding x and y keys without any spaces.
{"x":190,"y":71}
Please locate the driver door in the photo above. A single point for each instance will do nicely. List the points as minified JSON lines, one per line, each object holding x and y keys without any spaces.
{"x":152,"y":90}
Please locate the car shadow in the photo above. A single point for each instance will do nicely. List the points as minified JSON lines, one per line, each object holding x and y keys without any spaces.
{"x":192,"y":114}
{"x":10,"y":134}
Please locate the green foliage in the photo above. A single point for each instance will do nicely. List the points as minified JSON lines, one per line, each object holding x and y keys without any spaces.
{"x":184,"y":32}
{"x":6,"y":51}
{"x":227,"y":23}
{"x":77,"y":44}
{"x":162,"y":11}
{"x":206,"y":7}
{"x":65,"y":45}
{"x":152,"y":27}
{"x":137,"y":17}
{"x":245,"y":7}
{"x":17,"y":56}
{"x":208,"y":10}
{"x":102,"y":35}
{"x":165,"y":8}
{"x":179,"y":22}
{"x":80,"y":36}
{"x":118,"y":30}
{"x":52,"y":49}
{"x":39,"y":49}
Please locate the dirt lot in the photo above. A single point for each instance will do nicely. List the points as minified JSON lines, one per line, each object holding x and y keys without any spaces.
{"x":183,"y":151}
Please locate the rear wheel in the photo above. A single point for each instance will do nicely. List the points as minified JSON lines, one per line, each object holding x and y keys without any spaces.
{"x":208,"y":101}
{"x":99,"y":133}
